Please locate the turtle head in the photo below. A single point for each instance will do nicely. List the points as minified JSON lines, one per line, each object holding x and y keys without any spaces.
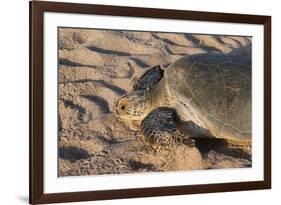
{"x":133,"y":106}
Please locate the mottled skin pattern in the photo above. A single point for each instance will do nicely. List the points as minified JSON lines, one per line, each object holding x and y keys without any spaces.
{"x":161,"y":127}
{"x":204,"y":95}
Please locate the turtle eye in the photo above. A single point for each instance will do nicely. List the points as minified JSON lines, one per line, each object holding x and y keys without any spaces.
{"x":123,"y":107}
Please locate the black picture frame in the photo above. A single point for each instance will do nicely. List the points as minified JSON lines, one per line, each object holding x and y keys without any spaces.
{"x":37,"y":9}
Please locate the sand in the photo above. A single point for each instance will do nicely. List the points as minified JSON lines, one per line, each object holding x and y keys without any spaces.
{"x":96,"y":67}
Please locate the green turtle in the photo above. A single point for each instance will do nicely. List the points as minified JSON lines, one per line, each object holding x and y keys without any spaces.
{"x":197,"y":96}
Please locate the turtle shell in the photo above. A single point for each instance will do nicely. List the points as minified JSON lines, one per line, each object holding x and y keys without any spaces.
{"x":214,"y":91}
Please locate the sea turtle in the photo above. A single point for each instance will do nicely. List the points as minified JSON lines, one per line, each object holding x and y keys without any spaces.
{"x":202,"y":95}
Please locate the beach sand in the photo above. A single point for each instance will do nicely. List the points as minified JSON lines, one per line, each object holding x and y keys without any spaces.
{"x":96,"y":67}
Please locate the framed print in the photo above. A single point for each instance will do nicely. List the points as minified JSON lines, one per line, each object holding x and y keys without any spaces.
{"x":138,"y":102}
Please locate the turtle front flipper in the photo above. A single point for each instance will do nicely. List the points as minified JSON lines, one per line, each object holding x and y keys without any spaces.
{"x":161,"y":128}
{"x":149,"y":78}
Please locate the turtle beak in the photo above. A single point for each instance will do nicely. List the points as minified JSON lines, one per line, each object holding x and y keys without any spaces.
{"x":115,"y":107}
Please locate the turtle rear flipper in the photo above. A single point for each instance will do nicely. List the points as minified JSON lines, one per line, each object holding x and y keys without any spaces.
{"x":161,"y":128}
{"x":149,"y":78}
